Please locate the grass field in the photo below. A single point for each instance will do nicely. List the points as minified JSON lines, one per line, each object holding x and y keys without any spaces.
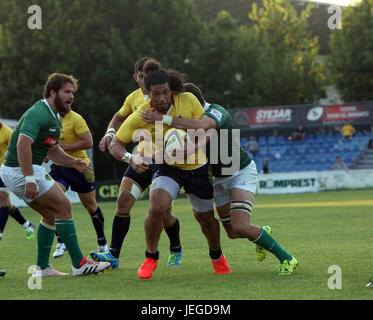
{"x":320,"y":230}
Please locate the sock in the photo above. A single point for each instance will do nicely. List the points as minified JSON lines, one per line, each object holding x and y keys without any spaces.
{"x":16,"y":215}
{"x":215,"y":254}
{"x":4,"y":214}
{"x":59,"y":240}
{"x":173,"y":233}
{"x":154,"y":256}
{"x":98,"y":222}
{"x":45,"y":235}
{"x":67,"y":232}
{"x":266,"y":241}
{"x":121,"y":225}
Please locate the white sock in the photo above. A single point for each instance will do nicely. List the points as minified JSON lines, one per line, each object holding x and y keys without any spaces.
{"x":26,"y":224}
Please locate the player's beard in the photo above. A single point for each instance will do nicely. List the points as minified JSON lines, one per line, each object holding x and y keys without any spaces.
{"x":163,"y":108}
{"x":60,"y":105}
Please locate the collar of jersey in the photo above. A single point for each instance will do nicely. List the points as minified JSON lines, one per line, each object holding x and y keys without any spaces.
{"x":55,"y":114}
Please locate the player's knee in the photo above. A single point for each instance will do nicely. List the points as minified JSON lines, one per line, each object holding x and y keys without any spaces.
{"x":239,"y":231}
{"x":125,"y":202}
{"x":230,"y":233}
{"x":205,"y":217}
{"x":64,"y":210}
{"x":90,"y":206}
{"x":4,"y":199}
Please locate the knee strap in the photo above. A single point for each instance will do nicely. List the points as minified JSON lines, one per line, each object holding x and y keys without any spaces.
{"x":227,"y":218}
{"x":245,"y":206}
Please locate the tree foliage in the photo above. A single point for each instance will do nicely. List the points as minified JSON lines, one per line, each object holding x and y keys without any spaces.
{"x":98,"y":41}
{"x":293,"y":72}
{"x":351,"y":59}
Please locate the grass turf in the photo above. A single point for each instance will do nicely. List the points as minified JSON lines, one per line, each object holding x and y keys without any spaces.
{"x":319,"y":236}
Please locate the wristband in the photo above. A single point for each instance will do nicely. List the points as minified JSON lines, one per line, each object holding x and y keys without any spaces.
{"x":167,"y":120}
{"x":127,"y":157}
{"x":30,"y":179}
{"x":110,"y":130}
{"x":109,"y":134}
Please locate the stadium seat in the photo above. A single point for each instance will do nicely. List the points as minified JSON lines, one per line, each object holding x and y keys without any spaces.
{"x":262,"y":141}
{"x":271,"y":140}
{"x":281,"y":140}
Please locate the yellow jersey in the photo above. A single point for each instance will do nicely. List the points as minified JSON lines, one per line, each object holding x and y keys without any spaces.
{"x":133,"y":101}
{"x":185,"y":105}
{"x":348,"y":130}
{"x":74,"y":125}
{"x":5,"y":135}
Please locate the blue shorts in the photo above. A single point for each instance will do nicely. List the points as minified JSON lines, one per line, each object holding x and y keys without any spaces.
{"x":72,"y":178}
{"x":144,"y":179}
{"x":196,"y":182}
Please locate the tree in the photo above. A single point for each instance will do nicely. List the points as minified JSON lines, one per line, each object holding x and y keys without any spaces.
{"x":229,"y":63}
{"x":293,"y":73}
{"x":351,"y":58}
{"x":96,"y":41}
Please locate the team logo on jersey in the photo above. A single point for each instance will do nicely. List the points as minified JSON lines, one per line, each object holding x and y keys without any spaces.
{"x":50,"y":141}
{"x":218,"y":115}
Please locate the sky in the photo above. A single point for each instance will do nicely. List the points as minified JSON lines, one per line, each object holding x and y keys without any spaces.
{"x":338,"y":2}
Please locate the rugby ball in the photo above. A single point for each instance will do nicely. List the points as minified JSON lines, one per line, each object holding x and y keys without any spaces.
{"x":174,"y":139}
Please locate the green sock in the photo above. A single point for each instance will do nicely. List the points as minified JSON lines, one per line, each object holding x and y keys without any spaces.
{"x":45,"y":236}
{"x":266,"y":241}
{"x":67,"y":232}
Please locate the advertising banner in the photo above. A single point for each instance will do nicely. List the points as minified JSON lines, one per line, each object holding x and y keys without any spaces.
{"x":338,"y":113}
{"x":313,"y":181}
{"x":266,"y":117}
{"x":291,"y":116}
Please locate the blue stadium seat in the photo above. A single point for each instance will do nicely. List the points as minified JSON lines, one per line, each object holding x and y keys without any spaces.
{"x":262,"y":141}
{"x":263,"y":150}
{"x":281,"y":140}
{"x":271,"y":140}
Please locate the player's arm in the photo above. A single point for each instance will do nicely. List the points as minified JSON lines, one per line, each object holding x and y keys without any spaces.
{"x":57,"y":155}
{"x":85,"y":142}
{"x":121,"y":139}
{"x":113,"y":126}
{"x":24,"y":153}
{"x":204,"y":122}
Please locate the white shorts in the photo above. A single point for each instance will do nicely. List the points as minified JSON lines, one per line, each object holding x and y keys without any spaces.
{"x":15,"y":181}
{"x":245,"y":179}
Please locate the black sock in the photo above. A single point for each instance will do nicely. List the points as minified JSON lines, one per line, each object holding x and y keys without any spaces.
{"x":154,"y":256}
{"x":16,"y":215}
{"x":98,"y":222}
{"x":215,"y":254}
{"x":121,"y":225}
{"x":173,"y":233}
{"x":4,"y":214}
{"x":59,"y":240}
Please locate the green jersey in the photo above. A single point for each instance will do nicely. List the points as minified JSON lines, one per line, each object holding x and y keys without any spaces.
{"x":41,"y":124}
{"x":224,"y":121}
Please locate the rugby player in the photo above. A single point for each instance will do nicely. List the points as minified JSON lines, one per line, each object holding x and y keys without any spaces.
{"x":35,"y":138}
{"x":233,"y":192}
{"x":166,"y":179}
{"x":6,"y":208}
{"x":133,"y":182}
{"x":75,"y":138}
